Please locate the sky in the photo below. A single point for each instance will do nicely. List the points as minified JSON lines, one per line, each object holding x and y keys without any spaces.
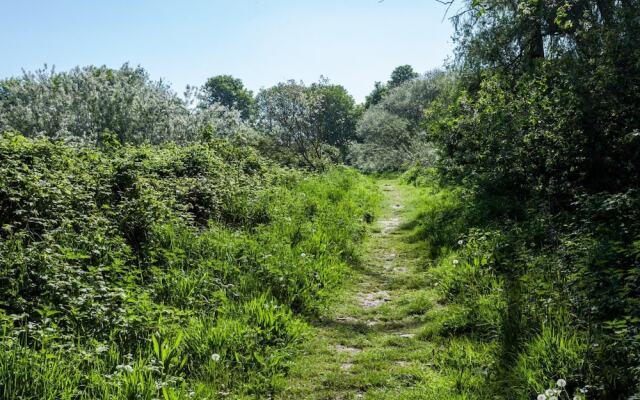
{"x":352,"y":42}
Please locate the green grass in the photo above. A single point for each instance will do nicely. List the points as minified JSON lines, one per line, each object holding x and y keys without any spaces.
{"x":163,"y":271}
{"x":378,"y":350}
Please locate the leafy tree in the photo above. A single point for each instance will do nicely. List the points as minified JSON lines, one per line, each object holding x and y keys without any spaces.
{"x":543,"y":125}
{"x":399,"y":75}
{"x":402,"y":74}
{"x":310,"y":122}
{"x":338,"y":114}
{"x":82,"y":104}
{"x":376,"y":95}
{"x":389,"y":134}
{"x":230,"y":92}
{"x":290,"y":114}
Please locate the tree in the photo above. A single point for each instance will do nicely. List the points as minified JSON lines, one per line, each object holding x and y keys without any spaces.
{"x":81,"y":104}
{"x":311,"y":123}
{"x":288,"y":113}
{"x":85,"y":105}
{"x":338,"y":115}
{"x":401,"y":74}
{"x":376,"y":95}
{"x":389,"y":134}
{"x":230,"y":92}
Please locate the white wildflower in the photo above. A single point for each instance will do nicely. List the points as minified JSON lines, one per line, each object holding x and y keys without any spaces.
{"x":549,"y":392}
{"x":215,"y":357}
{"x":561,"y":383}
{"x":541,"y":397}
{"x":456,"y":262}
{"x":125,"y":367}
{"x":460,"y":242}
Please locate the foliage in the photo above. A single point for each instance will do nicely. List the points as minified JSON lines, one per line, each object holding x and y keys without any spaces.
{"x":389,"y":136}
{"x":540,"y":128}
{"x":376,"y":95}
{"x":399,"y":76}
{"x":305,"y":123}
{"x":230,"y":92}
{"x":88,"y":105}
{"x":163,"y":271}
{"x":338,"y":115}
{"x":402,"y":74}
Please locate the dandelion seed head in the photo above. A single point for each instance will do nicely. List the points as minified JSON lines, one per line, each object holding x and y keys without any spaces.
{"x":215,"y":357}
{"x":456,"y":262}
{"x":541,"y":397}
{"x":561,"y":383}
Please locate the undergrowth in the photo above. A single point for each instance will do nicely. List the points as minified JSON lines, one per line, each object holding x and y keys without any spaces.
{"x":163,"y":271}
{"x":529,"y":298}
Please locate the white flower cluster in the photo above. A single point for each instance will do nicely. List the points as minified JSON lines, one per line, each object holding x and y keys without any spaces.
{"x":560,"y":392}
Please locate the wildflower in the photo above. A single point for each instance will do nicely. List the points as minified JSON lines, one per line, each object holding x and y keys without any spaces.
{"x":561,"y":383}
{"x":553,"y":398}
{"x":549,"y":392}
{"x":456,"y":262}
{"x":125,"y":367}
{"x":460,"y":242}
{"x":303,"y":254}
{"x":541,"y":397}
{"x":215,"y":357}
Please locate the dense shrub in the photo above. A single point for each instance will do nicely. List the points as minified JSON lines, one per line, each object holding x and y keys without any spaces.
{"x":156,"y":271}
{"x":554,"y":301}
{"x":93,"y":105}
{"x":389,"y":136}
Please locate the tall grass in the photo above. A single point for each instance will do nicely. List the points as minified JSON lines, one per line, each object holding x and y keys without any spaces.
{"x":520,"y":289}
{"x":164,"y":272}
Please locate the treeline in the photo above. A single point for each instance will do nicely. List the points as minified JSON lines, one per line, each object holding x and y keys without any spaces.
{"x":297,"y":124}
{"x":538,"y":129}
{"x":310,"y":126}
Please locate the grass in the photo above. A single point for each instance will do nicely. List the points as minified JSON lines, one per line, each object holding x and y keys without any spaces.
{"x":370,"y":342}
{"x":163,"y":271}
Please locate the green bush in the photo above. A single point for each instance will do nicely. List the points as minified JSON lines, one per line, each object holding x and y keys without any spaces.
{"x":158,"y":271}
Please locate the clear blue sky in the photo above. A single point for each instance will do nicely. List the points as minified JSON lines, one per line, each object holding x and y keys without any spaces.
{"x":351,"y":42}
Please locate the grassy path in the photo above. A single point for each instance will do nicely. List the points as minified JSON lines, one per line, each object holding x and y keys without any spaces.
{"x":366,"y":345}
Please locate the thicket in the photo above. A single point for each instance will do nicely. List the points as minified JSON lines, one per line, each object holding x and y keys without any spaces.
{"x":91,"y":105}
{"x":536,"y":234}
{"x":298,"y":125}
{"x":163,"y":271}
{"x":390,"y":136}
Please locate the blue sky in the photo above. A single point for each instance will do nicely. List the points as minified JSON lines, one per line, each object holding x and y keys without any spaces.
{"x":262,"y":42}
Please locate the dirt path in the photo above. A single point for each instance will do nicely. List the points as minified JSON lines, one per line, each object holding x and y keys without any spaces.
{"x":367,"y":344}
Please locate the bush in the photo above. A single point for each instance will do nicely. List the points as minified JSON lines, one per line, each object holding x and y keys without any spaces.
{"x":139,"y":272}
